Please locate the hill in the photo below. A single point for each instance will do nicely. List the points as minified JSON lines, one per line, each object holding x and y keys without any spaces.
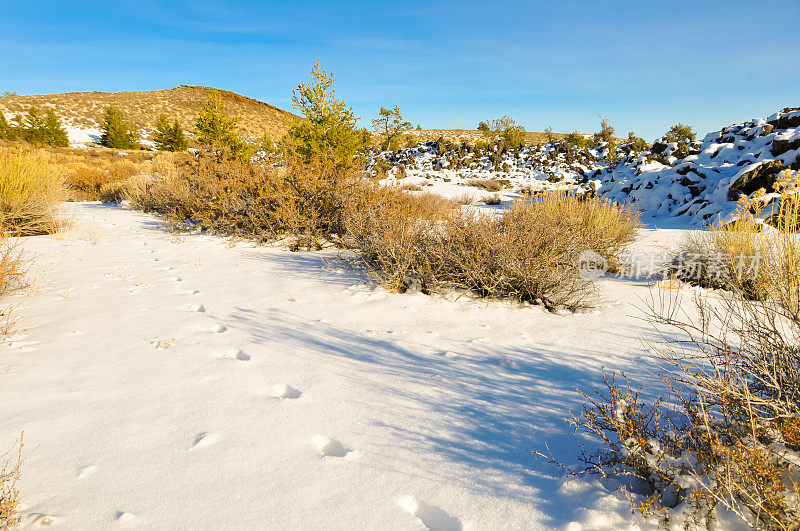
{"x":82,"y":112}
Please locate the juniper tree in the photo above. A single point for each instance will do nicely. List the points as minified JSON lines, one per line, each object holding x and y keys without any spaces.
{"x":117,"y":133}
{"x":169,"y":137}
{"x":216,"y":130}
{"x":54,"y":134}
{"x":606,"y":133}
{"x":329,"y":131}
{"x":680,"y":133}
{"x":391,"y":125}
{"x":6,"y":131}
{"x":33,"y":126}
{"x":505,"y":129}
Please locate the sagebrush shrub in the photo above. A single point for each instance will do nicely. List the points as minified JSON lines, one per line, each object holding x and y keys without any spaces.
{"x":31,"y":192}
{"x":732,"y":437}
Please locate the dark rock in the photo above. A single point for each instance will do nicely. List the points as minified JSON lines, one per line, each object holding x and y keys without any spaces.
{"x":658,"y":147}
{"x":785,"y":122}
{"x":686,"y":181}
{"x":779,"y":147}
{"x":762,"y":176}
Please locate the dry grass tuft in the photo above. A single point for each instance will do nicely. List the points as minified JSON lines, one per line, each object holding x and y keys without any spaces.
{"x":32,"y":189}
{"x":529,"y":253}
{"x":490,"y":185}
{"x":731,"y":437}
{"x":9,"y":495}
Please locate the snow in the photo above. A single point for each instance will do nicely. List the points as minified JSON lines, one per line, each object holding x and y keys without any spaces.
{"x":79,"y":136}
{"x":186,"y":381}
{"x":688,"y":192}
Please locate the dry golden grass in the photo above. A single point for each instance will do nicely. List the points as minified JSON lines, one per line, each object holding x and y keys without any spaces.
{"x":470,"y":136}
{"x":92,"y":173}
{"x":9,"y":495}
{"x":733,"y":372}
{"x":85,"y":109}
{"x":32,"y":189}
{"x":604,"y":226}
{"x":490,"y":185}
{"x":530,"y":253}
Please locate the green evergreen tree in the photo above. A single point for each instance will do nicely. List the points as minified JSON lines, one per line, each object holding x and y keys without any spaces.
{"x":329,"y":131}
{"x":214,"y":126}
{"x":680,"y":133}
{"x":54,"y":134}
{"x":6,"y":132}
{"x":169,"y":137}
{"x":391,"y":125}
{"x":217,"y":131}
{"x":34,"y":126}
{"x":117,"y":133}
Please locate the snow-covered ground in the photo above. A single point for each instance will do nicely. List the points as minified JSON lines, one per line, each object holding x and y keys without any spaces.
{"x":690,"y":185}
{"x":181,"y":382}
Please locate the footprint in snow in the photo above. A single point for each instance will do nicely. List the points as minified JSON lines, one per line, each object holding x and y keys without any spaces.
{"x":283,"y":390}
{"x":197,"y":308}
{"x":173,"y":279}
{"x":86,"y":471}
{"x":236,"y":354}
{"x":191,"y":292}
{"x":40,"y":520}
{"x":204,"y":440}
{"x":330,"y":446}
{"x":217,"y":328}
{"x":432,"y":517}
{"x":125,"y":519}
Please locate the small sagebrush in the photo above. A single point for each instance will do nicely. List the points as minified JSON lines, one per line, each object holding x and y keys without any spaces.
{"x":530,"y":253}
{"x":31,"y":192}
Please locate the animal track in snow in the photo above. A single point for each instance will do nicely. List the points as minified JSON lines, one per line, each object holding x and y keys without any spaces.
{"x":86,"y":471}
{"x":330,"y":446}
{"x":217,"y":328}
{"x":205,"y":439}
{"x":125,"y":518}
{"x":197,"y":308}
{"x":40,"y":520}
{"x":173,"y":279}
{"x":283,"y":390}
{"x":236,"y":354}
{"x":432,"y":517}
{"x":192,"y":292}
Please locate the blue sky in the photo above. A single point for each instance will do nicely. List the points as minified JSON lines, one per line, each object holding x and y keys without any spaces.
{"x":645,"y":65}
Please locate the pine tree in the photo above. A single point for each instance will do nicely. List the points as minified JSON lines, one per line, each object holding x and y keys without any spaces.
{"x":329,"y":131}
{"x":214,"y":126}
{"x":54,"y":134}
{"x":34,"y":127}
{"x":169,"y":137}
{"x":217,"y":131}
{"x":117,"y":133}
{"x":391,"y":124}
{"x":6,"y":132}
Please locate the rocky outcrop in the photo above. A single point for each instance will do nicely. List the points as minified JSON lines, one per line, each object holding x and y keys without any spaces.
{"x":762,"y":176}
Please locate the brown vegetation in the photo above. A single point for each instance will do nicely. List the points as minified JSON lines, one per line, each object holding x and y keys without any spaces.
{"x":85,"y":109}
{"x":732,"y":439}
